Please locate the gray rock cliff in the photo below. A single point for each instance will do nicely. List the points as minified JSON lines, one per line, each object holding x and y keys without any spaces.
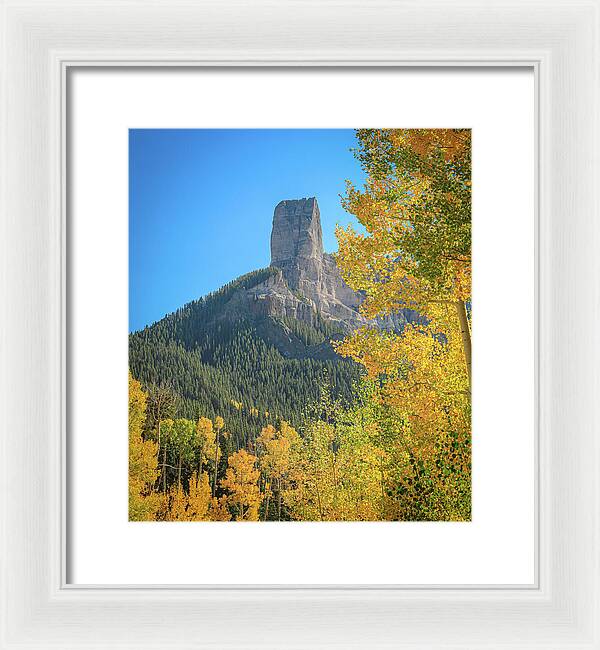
{"x":306,"y":283}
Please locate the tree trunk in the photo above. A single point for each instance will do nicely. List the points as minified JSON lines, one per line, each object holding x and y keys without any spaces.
{"x":319,"y":502}
{"x":268,"y":493}
{"x":382,"y":491}
{"x":164,"y":469}
{"x":278,"y":499}
{"x":465,"y":331}
{"x":179,"y":472}
{"x":333,"y":472}
{"x":158,"y":478}
{"x":199,"y":465}
{"x":214,"y":490}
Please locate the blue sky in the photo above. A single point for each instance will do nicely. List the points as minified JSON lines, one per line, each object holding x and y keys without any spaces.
{"x":201,"y":204}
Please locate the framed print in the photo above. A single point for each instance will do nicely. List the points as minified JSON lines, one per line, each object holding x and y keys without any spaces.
{"x":300,"y":311}
{"x":499,"y":108}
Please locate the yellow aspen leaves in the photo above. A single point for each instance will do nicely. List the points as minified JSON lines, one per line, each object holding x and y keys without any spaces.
{"x":143,"y":459}
{"x":241,"y":485}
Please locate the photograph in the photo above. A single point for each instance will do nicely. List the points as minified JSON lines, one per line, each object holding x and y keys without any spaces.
{"x":300,"y":321}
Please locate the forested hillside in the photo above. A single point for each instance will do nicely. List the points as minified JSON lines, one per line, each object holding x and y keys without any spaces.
{"x":229,"y":364}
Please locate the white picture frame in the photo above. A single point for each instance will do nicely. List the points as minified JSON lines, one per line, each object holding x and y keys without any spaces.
{"x":41,"y":41}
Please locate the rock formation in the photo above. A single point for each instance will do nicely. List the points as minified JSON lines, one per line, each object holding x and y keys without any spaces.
{"x":306,"y":283}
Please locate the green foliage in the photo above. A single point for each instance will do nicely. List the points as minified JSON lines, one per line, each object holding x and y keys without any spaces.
{"x":214,"y":365}
{"x":187,"y":324}
{"x":311,"y":335}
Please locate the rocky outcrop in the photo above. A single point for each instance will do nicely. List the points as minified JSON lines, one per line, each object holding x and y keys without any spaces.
{"x":296,"y":233}
{"x":305,"y":283}
{"x":309,"y":281}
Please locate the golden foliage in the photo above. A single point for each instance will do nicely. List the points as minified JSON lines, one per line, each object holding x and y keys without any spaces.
{"x":241,"y":484}
{"x":218,"y":509}
{"x":143,"y":459}
{"x":416,"y":254}
{"x":178,"y":503}
{"x":416,"y":209}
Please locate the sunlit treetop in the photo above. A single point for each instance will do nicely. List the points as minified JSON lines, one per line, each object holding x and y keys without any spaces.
{"x":416,"y":209}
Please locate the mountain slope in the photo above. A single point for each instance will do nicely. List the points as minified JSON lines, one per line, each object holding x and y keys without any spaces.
{"x":259,"y":348}
{"x":215,"y":363}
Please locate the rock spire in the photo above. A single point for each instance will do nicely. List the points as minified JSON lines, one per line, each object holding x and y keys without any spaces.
{"x":296,"y":231}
